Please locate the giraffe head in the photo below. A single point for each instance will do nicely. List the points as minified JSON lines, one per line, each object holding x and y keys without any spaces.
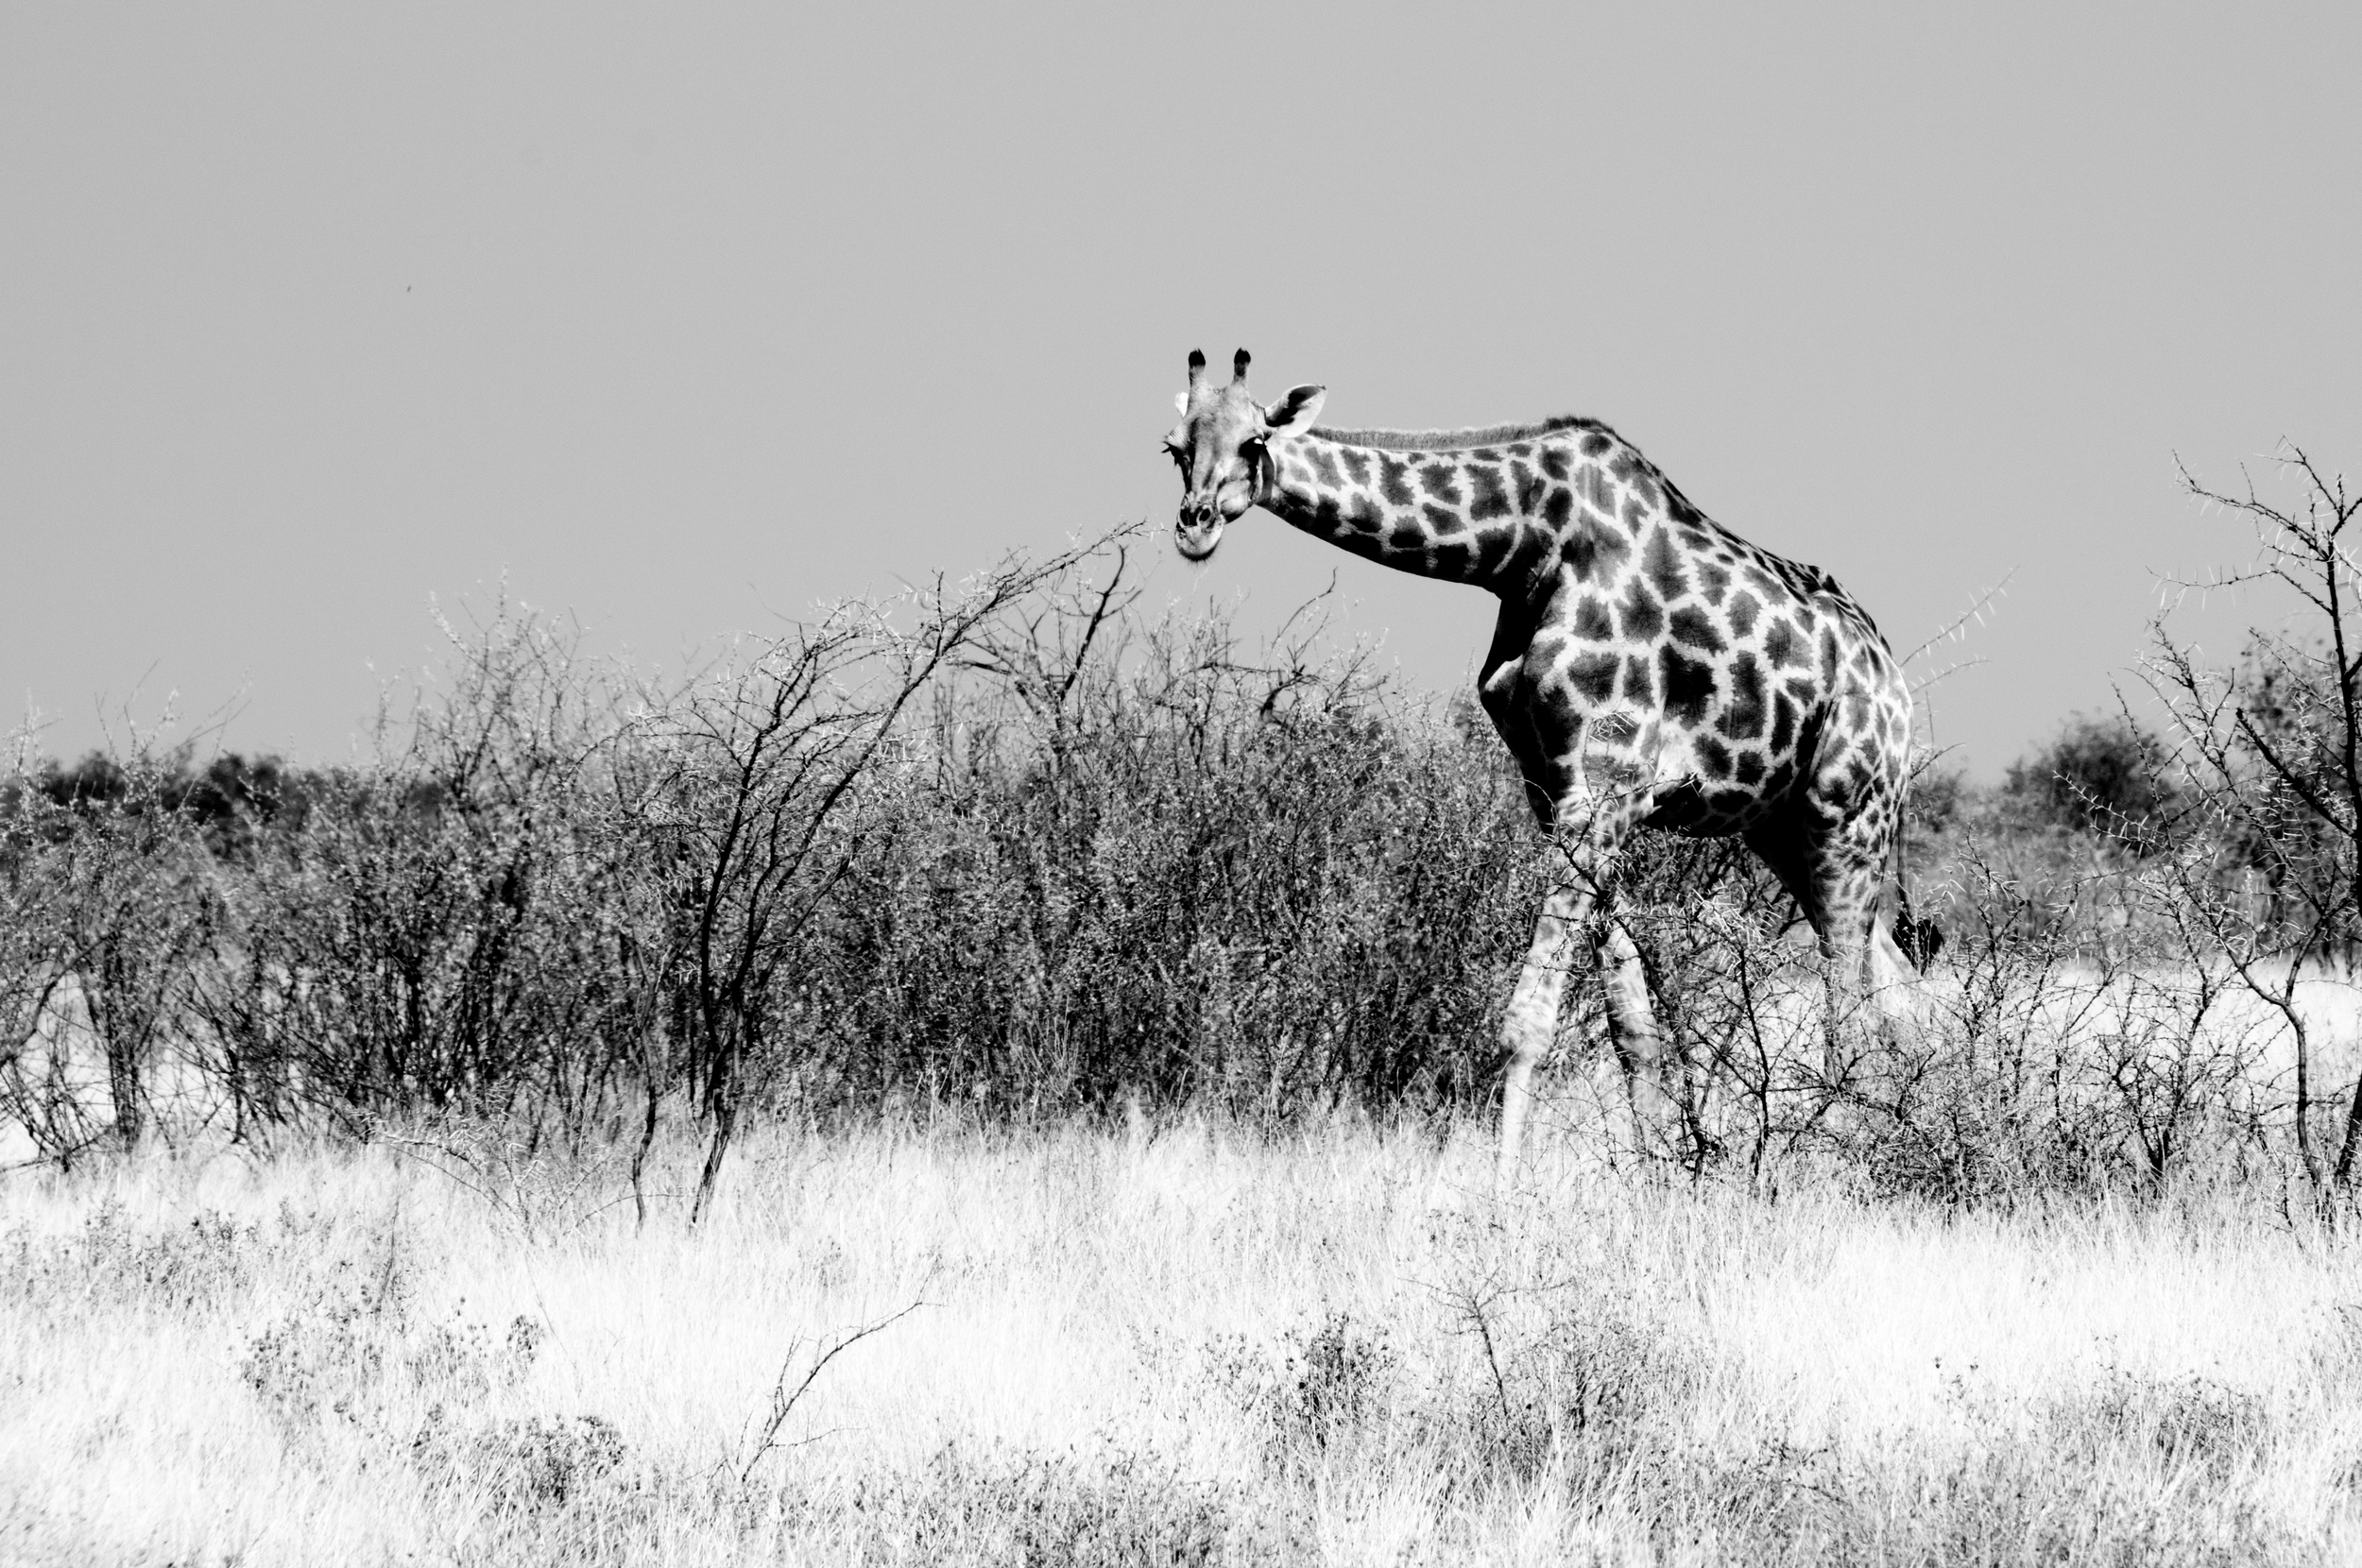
{"x":1223,"y":446}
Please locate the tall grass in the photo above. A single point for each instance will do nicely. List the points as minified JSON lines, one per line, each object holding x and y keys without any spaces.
{"x":1198,"y":1342}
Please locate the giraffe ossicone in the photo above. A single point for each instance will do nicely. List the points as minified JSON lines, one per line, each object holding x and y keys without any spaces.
{"x":1649,"y":667}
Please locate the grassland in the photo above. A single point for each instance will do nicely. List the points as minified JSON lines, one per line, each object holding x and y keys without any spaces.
{"x":1183,"y":1344}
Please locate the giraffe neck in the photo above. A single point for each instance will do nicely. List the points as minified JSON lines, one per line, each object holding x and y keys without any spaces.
{"x":1460,"y":516}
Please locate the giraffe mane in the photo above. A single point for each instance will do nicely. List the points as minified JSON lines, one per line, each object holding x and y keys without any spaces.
{"x":1457,"y":440}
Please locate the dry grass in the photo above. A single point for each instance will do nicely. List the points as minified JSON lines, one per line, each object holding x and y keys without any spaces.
{"x":1190,"y":1346}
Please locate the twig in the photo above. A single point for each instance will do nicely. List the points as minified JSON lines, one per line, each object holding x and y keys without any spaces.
{"x":1958,"y":627}
{"x":783,"y":1400}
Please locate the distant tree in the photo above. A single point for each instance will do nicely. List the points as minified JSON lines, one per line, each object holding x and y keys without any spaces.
{"x":97,"y":779}
{"x":1939,"y":797}
{"x":231,"y":802}
{"x":235,"y":801}
{"x":2102,"y":773}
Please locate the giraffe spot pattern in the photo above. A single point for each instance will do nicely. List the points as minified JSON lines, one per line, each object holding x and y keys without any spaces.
{"x":1744,"y":719}
{"x":1641,"y":616}
{"x":1696,"y":628}
{"x":1662,"y":566}
{"x":1528,"y":484}
{"x":1688,"y":686}
{"x":1593,"y":674}
{"x":1759,"y":675}
{"x":1594,"y":551}
{"x":1591,"y":620}
{"x":1639,"y":686}
{"x":1492,"y":500}
{"x":1593,"y":486}
{"x":1741,"y":613}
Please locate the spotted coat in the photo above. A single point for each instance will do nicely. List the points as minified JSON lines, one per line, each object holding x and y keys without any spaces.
{"x":1648,"y":662}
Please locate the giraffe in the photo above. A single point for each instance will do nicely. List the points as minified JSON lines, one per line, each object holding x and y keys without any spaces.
{"x":1649,"y":667}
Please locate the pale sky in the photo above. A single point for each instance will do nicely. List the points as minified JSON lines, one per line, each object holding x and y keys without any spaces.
{"x":682,"y":322}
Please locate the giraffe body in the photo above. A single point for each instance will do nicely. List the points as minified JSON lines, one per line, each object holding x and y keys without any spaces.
{"x":1647,"y":667}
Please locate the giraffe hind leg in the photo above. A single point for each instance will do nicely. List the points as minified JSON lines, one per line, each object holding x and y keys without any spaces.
{"x":1840,"y":905}
{"x":1873,"y":989}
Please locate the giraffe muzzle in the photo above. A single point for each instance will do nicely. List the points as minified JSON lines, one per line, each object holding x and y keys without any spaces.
{"x":1198,"y":529}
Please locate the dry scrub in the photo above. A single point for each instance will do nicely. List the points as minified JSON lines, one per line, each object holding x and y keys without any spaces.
{"x":1180,"y":1345}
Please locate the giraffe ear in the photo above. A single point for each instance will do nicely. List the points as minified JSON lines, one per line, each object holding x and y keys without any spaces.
{"x":1294,"y":413}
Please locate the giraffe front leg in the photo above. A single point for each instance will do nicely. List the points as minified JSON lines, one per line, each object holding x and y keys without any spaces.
{"x":1532,"y":1026}
{"x":1640,"y":1045}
